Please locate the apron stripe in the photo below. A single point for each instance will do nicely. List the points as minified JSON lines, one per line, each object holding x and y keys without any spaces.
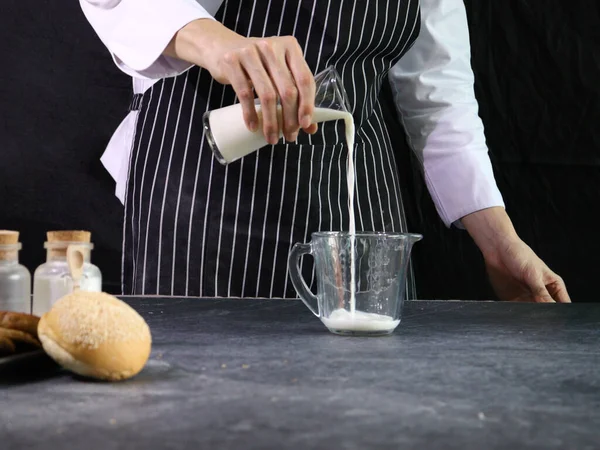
{"x":249,"y":234}
{"x":363,"y":154}
{"x":168,"y":230}
{"x":278,"y":230}
{"x":392,"y":225}
{"x":212,"y":201}
{"x":291,"y":236}
{"x":339,"y":157}
{"x":157,"y":165}
{"x":312,"y":149}
{"x":128,"y":255}
{"x":266,"y":18}
{"x":366,"y":89}
{"x":235,"y":228}
{"x":142,"y":184}
{"x":268,"y":197}
{"x":321,"y":178}
{"x":412,"y":5}
{"x":294,"y":211}
{"x":237,"y":207}
{"x":382,"y":131}
{"x":264,"y":225}
{"x":283,"y":190}
{"x":176,"y":223}
{"x":310,"y":24}
{"x":254,"y":186}
{"x":291,"y":240}
{"x":384,"y":170}
{"x":195,"y":190}
{"x":322,"y":153}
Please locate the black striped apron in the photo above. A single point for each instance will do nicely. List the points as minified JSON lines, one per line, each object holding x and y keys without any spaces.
{"x":196,"y":228}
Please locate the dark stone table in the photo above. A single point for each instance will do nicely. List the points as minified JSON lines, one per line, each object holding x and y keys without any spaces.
{"x":243,"y":374}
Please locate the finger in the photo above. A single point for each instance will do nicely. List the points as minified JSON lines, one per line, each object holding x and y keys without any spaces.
{"x":274,"y":60}
{"x":314,"y":127}
{"x":562,"y":296}
{"x":540,"y":293}
{"x":305,"y":82}
{"x":253,"y":65}
{"x":558,"y":290}
{"x":243,"y":89}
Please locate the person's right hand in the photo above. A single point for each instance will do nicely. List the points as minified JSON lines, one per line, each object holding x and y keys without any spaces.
{"x":272,"y":67}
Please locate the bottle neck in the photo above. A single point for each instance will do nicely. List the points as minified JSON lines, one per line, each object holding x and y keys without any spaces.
{"x":9,"y":262}
{"x":9,"y":253}
{"x":59,"y":256}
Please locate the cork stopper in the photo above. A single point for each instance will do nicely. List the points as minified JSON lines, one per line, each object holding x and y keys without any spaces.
{"x":66,"y":237}
{"x":69,"y":236}
{"x":9,"y":245}
{"x":8,"y":237}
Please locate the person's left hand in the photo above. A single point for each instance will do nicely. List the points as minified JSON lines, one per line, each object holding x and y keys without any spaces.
{"x":515,"y":271}
{"x":518,"y":274}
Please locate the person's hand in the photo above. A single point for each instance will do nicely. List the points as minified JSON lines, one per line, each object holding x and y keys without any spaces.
{"x":274,"y":68}
{"x":515,"y":271}
{"x":518,"y":274}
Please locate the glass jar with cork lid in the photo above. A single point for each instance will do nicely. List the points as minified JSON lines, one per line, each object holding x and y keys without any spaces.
{"x":15,"y":279}
{"x":52,"y":280}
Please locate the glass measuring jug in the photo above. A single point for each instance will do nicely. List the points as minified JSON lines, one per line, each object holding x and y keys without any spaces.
{"x":374,"y":306}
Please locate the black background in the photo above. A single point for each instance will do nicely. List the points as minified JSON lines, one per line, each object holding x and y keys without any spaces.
{"x":537,"y":66}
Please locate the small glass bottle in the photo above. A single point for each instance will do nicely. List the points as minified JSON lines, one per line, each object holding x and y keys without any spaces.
{"x":52,"y":280}
{"x":15,"y":279}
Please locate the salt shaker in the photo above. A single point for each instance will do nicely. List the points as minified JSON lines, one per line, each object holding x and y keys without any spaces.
{"x":15,"y":279}
{"x":52,"y":280}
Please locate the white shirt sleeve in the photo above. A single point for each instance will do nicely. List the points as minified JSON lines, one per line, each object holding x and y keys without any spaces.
{"x":433,"y":88}
{"x":136,"y":32}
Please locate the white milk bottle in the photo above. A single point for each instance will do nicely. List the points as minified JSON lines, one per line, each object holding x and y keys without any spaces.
{"x":230,"y":139}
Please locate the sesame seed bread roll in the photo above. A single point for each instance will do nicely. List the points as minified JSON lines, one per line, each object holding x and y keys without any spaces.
{"x":96,"y":335}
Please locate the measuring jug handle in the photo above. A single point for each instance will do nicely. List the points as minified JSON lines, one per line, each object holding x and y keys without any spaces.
{"x":298,"y":281}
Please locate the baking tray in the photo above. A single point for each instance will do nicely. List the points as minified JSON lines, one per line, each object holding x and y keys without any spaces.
{"x":33,"y":360}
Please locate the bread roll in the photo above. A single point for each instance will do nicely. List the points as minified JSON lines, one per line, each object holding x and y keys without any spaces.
{"x":96,"y":335}
{"x":19,"y":337}
{"x":7,"y":347}
{"x":19,"y":321}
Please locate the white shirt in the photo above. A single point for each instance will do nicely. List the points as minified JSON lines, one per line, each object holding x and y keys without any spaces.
{"x":433,"y":85}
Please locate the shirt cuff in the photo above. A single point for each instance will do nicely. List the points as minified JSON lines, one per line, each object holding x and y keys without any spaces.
{"x":461,"y":184}
{"x":137,"y":31}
